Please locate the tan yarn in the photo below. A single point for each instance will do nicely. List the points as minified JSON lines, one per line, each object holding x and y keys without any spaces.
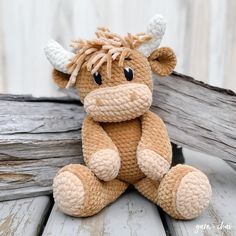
{"x":117,"y":104}
{"x":106,"y":48}
{"x":138,"y":63}
{"x":97,"y":194}
{"x":154,"y":154}
{"x":125,"y":136}
{"x":193,"y":195}
{"x":168,"y":188}
{"x":123,"y":142}
{"x":183,"y":193}
{"x":153,"y":126}
{"x":152,"y":164}
{"x":105,"y":164}
{"x":94,"y":138}
{"x":163,"y":61}
{"x":148,"y":188}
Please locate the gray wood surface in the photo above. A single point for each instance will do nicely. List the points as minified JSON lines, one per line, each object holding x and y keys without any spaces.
{"x":131,"y":214}
{"x":37,"y":136}
{"x":23,"y":217}
{"x":40,"y":135}
{"x":198,"y":116}
{"x":220,"y":216}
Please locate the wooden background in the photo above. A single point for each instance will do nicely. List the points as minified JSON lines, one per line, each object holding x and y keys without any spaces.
{"x":202,"y":33}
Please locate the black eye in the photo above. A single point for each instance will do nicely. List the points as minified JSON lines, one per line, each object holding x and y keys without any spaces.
{"x":128,"y":73}
{"x":98,"y":78}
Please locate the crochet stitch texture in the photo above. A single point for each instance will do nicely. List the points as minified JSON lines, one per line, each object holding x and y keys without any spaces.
{"x":124,"y":143}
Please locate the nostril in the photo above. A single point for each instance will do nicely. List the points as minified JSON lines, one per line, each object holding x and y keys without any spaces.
{"x":133,"y":96}
{"x":99,"y":102}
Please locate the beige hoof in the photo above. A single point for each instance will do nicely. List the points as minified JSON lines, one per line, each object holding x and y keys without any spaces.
{"x":152,"y":164}
{"x":193,"y":195}
{"x":68,"y":193}
{"x":105,"y":164}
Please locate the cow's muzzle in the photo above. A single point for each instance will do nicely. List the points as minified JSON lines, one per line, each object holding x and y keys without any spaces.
{"x":118,"y":103}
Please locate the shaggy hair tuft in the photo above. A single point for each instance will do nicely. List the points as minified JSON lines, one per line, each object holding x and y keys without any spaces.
{"x":107,"y":47}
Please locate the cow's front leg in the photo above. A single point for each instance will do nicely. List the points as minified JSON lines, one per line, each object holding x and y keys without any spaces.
{"x":100,"y":153}
{"x":154,"y":152}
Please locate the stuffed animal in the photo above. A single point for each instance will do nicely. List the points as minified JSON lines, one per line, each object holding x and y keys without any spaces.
{"x":123,"y":142}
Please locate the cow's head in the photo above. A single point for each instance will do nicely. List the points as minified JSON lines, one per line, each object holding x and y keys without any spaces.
{"x":112,"y":74}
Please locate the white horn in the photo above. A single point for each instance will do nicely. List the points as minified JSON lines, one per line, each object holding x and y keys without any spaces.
{"x":58,"y":56}
{"x":156,"y":28}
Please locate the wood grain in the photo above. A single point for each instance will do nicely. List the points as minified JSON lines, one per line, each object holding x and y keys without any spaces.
{"x":198,"y":116}
{"x":40,"y":135}
{"x":131,"y":214}
{"x":37,"y":136}
{"x":24,"y":216}
{"x":220,"y":217}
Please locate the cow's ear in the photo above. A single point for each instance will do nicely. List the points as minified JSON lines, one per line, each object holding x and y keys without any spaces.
{"x":162,"y":61}
{"x":61,"y":79}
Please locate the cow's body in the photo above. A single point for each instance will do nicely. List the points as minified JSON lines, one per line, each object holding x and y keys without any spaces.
{"x":123,"y":142}
{"x":126,"y":136}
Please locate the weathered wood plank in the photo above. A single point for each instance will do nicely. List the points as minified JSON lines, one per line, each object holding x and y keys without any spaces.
{"x":23,"y":217}
{"x":37,"y":136}
{"x":40,"y":135}
{"x":198,"y":116}
{"x":29,"y":178}
{"x":220,"y":217}
{"x":131,"y":214}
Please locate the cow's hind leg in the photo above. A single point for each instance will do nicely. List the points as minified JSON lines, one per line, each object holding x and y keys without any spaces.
{"x":78,"y":192}
{"x":184,"y":192}
{"x":148,"y":188}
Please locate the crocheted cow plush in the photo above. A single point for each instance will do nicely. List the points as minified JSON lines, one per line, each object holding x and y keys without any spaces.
{"x":123,"y":141}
